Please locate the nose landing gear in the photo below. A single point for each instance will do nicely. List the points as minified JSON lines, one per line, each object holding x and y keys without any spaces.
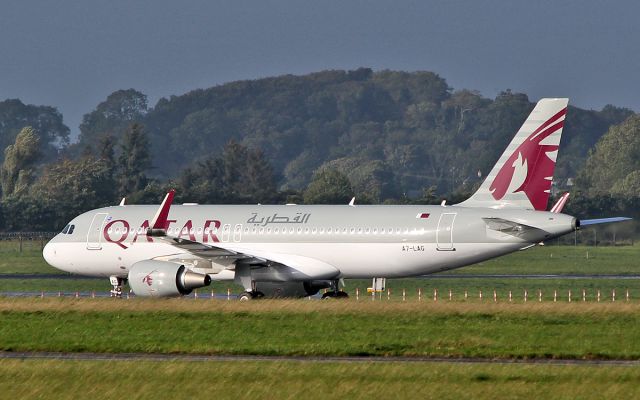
{"x":116,"y":283}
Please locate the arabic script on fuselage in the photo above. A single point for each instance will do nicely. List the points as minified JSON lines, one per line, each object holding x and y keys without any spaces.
{"x":259,"y":220}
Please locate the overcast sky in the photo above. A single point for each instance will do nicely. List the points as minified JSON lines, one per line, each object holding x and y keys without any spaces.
{"x":72,"y":54}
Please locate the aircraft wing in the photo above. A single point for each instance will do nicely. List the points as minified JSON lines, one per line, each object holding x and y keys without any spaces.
{"x":288,"y":266}
{"x":596,"y":221}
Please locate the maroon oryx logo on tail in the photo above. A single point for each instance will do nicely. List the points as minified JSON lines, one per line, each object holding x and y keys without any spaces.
{"x":530,"y":168}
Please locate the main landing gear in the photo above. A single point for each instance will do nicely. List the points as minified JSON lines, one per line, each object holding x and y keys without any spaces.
{"x":116,"y":283}
{"x":335,"y":292}
{"x":250,"y":295}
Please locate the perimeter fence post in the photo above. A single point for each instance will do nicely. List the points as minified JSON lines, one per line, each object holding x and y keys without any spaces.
{"x":466,"y":295}
{"x":584,"y":295}
{"x":480,"y":295}
{"x":389,"y":294}
{"x":569,"y":296}
{"x":450,"y":295}
{"x":495,"y":296}
{"x":228,"y":294}
{"x":419,"y":294}
{"x":539,"y":295}
{"x":613,"y":295}
{"x":598,"y":294}
{"x":435,"y":294}
{"x":357,"y":293}
{"x":526,"y":295}
{"x":404,"y":294}
{"x":555,"y":295}
{"x":510,"y":296}
{"x":627,"y":296}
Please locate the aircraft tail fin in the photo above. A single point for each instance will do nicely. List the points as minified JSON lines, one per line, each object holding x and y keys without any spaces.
{"x":522,"y":176}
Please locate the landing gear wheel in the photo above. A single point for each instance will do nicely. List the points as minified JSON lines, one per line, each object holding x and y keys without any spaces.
{"x":246,"y":296}
{"x":335,"y":295}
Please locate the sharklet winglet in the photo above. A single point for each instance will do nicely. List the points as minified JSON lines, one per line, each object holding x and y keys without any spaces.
{"x":159,"y":222}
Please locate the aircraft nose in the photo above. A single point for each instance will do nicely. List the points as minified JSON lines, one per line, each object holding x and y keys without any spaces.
{"x":49,"y":253}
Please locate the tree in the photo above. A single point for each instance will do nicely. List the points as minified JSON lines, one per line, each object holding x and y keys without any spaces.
{"x":614,"y":161}
{"x":16,"y":173}
{"x":112,"y":117}
{"x":134,"y":160}
{"x":328,"y":186}
{"x":52,"y":133}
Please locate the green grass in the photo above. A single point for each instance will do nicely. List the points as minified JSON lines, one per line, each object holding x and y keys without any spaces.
{"x":302,"y":327}
{"x":35,"y":379}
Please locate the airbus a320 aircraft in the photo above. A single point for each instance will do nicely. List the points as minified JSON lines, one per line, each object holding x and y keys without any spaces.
{"x":296,"y":250}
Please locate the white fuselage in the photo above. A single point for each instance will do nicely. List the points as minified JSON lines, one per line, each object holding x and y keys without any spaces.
{"x":359,"y":241}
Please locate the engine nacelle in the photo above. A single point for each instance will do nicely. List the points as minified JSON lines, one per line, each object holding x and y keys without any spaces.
{"x":291,"y":289}
{"x":164,"y":279}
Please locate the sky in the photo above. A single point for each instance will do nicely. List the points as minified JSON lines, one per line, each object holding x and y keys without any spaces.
{"x":72,"y":54}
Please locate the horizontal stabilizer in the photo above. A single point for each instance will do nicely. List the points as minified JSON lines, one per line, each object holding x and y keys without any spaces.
{"x":597,"y":221}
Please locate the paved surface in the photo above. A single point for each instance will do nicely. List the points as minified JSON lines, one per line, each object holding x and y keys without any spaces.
{"x":204,"y":358}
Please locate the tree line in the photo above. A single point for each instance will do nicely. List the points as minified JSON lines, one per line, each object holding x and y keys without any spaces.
{"x":384,"y":137}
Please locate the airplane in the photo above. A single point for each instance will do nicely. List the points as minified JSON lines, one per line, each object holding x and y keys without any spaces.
{"x":297,"y":250}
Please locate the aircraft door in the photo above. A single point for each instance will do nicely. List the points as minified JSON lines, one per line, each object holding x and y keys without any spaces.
{"x":444,"y":234}
{"x":226,"y":232}
{"x":237,"y":233}
{"x":94,"y":236}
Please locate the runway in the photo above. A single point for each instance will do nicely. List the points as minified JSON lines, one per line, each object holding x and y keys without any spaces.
{"x":158,"y":357}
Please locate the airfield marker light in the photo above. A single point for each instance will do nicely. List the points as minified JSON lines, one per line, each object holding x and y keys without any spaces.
{"x":420,"y":294}
{"x":480,"y":295}
{"x":228,"y":294}
{"x":466,"y":295}
{"x":539,"y":295}
{"x":450,"y":295}
{"x":495,"y":296}
{"x":435,"y":294}
{"x":357,"y":293}
{"x":613,"y":295}
{"x":584,"y":295}
{"x":555,"y":296}
{"x":404,"y":294}
{"x":526,"y":294}
{"x":598,"y":295}
{"x":569,"y":296}
{"x":627,"y":295}
{"x":510,"y":296}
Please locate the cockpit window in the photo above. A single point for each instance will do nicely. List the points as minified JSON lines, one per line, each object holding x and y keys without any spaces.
{"x":68,"y":230}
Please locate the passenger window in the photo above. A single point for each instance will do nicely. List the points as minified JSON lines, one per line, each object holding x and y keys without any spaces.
{"x":65,"y":229}
{"x":314,"y":230}
{"x":71,"y":228}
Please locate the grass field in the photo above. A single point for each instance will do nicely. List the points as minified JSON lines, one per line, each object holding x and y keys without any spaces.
{"x":459,"y":328}
{"x":302,"y":327}
{"x":36,"y":379}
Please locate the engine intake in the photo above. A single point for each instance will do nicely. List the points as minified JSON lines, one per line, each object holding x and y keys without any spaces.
{"x":152,"y":278}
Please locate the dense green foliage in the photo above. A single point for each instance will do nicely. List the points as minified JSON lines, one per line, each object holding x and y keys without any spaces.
{"x":394,"y":136}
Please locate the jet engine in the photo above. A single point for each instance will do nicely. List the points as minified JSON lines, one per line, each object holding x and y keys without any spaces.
{"x":291,"y":289}
{"x":164,"y":279}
